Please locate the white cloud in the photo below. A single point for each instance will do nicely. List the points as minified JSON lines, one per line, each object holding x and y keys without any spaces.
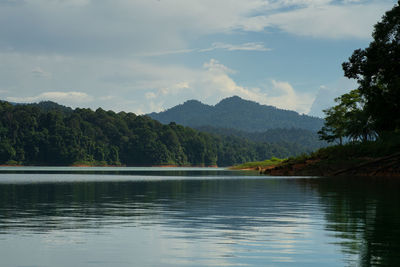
{"x":134,"y":85}
{"x":39,"y":72}
{"x":329,"y":21}
{"x":251,"y":46}
{"x":106,"y":98}
{"x":159,"y":87}
{"x":217,"y":82}
{"x":100,"y":52}
{"x":284,"y":96}
{"x":213,"y":66}
{"x":119,"y":26}
{"x":174,"y":89}
{"x":214,"y":83}
{"x":150,"y":95}
{"x":168,"y":91}
{"x":327,"y":93}
{"x":166,"y":52}
{"x":141,"y":27}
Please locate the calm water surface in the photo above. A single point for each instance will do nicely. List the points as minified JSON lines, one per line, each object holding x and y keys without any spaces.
{"x":194,"y":217}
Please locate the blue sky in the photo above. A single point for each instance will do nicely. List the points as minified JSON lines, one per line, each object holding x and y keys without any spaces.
{"x":150,"y":55}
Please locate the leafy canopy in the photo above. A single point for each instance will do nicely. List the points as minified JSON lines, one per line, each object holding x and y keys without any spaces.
{"x":373,"y":109}
{"x":377,"y":71}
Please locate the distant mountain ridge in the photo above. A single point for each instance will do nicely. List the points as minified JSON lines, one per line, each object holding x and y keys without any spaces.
{"x":303,"y":140}
{"x":237,"y":113}
{"x":47,"y":106}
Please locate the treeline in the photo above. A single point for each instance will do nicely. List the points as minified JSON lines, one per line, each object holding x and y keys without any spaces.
{"x":50,"y":134}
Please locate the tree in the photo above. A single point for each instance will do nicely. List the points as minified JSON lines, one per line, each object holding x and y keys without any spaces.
{"x":377,"y":71}
{"x":334,"y":128}
{"x":348,"y":118}
{"x":7,"y":152}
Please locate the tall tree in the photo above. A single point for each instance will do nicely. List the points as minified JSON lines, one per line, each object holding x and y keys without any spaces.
{"x":377,"y":71}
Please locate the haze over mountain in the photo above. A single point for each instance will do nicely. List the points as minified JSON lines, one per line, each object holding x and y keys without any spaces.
{"x":237,"y":113}
{"x":301,"y":139}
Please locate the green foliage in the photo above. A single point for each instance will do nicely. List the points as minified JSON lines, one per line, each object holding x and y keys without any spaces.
{"x":30,"y":134}
{"x":52,"y":106}
{"x":262,"y":164}
{"x":348,"y":119}
{"x":350,"y":151}
{"x":12,"y":162}
{"x":373,"y":109}
{"x":329,"y":160}
{"x":377,"y":71}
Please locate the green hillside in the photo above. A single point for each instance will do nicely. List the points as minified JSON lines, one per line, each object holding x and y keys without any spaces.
{"x":297,"y":140}
{"x":237,"y":113}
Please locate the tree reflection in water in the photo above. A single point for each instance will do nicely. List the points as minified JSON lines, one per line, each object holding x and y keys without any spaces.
{"x":364,"y":213}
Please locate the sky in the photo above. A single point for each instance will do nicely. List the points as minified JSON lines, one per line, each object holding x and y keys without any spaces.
{"x":146,"y":56}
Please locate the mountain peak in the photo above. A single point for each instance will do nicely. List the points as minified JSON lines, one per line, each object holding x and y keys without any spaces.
{"x":232,"y":98}
{"x":192,"y":102}
{"x":235,"y":100}
{"x":236,"y":113}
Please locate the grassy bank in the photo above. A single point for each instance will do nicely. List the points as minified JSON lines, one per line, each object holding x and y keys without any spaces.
{"x":359,"y":159}
{"x":258,"y":164}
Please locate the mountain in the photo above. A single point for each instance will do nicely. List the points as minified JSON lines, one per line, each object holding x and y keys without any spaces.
{"x":237,"y":113}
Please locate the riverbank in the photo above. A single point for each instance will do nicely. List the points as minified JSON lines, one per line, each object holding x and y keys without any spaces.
{"x":110,"y":166}
{"x":384,"y":166}
{"x":257,"y":165}
{"x":369,"y":159}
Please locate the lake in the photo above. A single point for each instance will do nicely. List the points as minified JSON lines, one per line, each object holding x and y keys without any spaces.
{"x":194,"y":217}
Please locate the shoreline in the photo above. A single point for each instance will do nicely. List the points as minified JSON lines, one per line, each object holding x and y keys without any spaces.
{"x":388,"y":166}
{"x":111,"y":166}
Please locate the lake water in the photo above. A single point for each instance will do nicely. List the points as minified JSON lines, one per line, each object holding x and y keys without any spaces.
{"x":194,"y":217}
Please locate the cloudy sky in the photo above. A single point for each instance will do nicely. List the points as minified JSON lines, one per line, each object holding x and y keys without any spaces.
{"x":150,"y":55}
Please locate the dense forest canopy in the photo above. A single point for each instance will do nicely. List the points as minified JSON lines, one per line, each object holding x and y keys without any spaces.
{"x":51,"y":134}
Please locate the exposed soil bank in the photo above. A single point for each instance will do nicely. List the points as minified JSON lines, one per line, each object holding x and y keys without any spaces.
{"x":382,"y":166}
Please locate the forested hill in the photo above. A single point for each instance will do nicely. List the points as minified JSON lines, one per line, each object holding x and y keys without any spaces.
{"x":48,"y":106}
{"x":305,"y":140}
{"x":50,"y":134}
{"x":237,"y":113}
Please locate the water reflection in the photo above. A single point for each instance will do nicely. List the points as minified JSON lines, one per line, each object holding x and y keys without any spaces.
{"x":200,"y":222}
{"x":142,"y":171}
{"x":230,"y":204}
{"x":364,"y":214}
